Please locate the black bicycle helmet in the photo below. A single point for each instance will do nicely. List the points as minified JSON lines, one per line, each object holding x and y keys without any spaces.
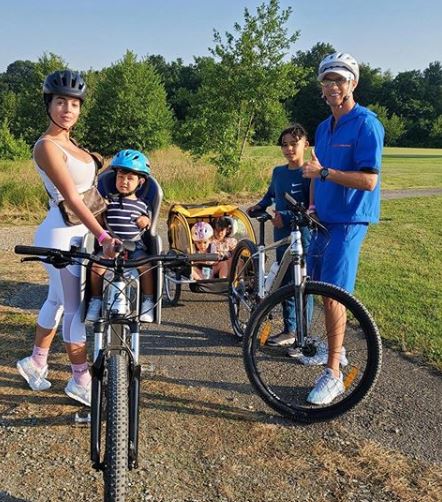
{"x":64,"y":83}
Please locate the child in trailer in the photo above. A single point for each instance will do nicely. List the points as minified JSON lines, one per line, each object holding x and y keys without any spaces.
{"x":127,"y":216}
{"x":202,"y":235}
{"x":223,"y":244}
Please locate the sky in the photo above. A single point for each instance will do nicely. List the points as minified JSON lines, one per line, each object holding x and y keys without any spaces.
{"x":394,"y":35}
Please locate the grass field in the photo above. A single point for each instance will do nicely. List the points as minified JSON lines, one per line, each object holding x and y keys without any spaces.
{"x":185,"y":179}
{"x":400,"y":275}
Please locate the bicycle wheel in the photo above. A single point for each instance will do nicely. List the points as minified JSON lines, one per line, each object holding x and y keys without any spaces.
{"x":243,"y":285}
{"x":172,"y":290}
{"x":117,"y":429}
{"x":284,"y":382}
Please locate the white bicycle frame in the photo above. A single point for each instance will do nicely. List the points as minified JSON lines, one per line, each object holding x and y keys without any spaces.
{"x":293,"y":255}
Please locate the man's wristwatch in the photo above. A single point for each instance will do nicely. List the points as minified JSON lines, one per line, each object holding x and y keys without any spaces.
{"x":324,"y":172}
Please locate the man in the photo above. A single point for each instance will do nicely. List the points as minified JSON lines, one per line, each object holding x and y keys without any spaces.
{"x":344,"y":170}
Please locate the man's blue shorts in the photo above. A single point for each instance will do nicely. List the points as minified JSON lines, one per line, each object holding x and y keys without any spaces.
{"x":334,"y":257}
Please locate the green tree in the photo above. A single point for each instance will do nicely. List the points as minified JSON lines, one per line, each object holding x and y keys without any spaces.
{"x":31,"y":119}
{"x":91,"y":78}
{"x":308,"y":107}
{"x":8,"y":106}
{"x":248,"y":74}
{"x":18,"y":74}
{"x":129,"y":109}
{"x":436,"y":133}
{"x":180,"y":81}
{"x":10,"y":147}
{"x":394,"y":126}
{"x":270,"y":121}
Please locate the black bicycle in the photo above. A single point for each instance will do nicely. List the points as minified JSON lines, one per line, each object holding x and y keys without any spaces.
{"x":116,"y":369}
{"x":284,"y":375}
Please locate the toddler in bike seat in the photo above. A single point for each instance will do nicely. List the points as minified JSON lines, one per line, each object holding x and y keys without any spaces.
{"x":127,"y":217}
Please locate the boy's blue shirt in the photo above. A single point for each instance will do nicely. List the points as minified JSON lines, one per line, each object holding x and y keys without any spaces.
{"x":355,"y":144}
{"x":291,"y":181}
{"x":286,"y":180}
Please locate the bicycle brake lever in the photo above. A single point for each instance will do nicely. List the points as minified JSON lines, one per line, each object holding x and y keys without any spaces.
{"x":31,"y":258}
{"x":57,"y":261}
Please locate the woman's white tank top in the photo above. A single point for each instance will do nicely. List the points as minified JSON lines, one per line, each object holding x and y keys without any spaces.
{"x":82,"y":173}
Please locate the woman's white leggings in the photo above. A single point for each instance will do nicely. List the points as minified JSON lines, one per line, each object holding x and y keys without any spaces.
{"x":64,"y":284}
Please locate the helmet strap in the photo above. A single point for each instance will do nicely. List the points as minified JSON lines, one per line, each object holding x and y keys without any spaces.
{"x":53,"y":121}
{"x":344,"y":99}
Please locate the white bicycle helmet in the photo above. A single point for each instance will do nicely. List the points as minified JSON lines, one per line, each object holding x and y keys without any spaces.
{"x":341,"y":63}
{"x":201,"y":231}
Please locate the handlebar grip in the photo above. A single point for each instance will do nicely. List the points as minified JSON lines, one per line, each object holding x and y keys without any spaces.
{"x":257,"y":213}
{"x":33,"y":250}
{"x":292,"y":200}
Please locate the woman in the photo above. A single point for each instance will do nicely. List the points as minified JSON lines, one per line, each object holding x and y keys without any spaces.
{"x":66,"y":171}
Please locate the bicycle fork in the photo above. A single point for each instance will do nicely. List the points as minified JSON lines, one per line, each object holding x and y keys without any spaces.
{"x":101,"y":354}
{"x":299,"y":277}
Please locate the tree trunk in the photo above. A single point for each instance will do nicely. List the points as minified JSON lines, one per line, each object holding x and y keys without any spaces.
{"x":246,"y":134}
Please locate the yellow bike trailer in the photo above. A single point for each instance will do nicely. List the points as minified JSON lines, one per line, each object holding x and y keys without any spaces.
{"x":180,"y":220}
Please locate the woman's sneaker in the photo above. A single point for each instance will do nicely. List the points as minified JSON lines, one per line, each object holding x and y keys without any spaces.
{"x":78,"y":392}
{"x":94,"y":310}
{"x":35,"y":376}
{"x":147,"y":308}
{"x":327,"y":387}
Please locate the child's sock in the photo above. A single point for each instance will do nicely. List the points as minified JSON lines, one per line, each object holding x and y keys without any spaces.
{"x":81,"y":374}
{"x":40,"y":356}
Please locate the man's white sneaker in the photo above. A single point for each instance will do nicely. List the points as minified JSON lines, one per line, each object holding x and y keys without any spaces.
{"x":35,"y":376}
{"x":78,"y":392}
{"x":284,"y":339}
{"x":318,"y":359}
{"x":327,"y":387}
{"x":94,"y":310}
{"x":147,"y":308}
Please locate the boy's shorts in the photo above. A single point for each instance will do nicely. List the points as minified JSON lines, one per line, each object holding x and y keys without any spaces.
{"x":139,"y":251}
{"x":334,"y":257}
{"x":136,"y":254}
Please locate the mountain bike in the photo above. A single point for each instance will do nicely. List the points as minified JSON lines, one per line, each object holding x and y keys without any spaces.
{"x":116,"y":368}
{"x":283,"y":376}
{"x":249,"y":283}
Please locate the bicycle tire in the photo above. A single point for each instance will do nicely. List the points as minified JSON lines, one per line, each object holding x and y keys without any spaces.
{"x":243,"y":285}
{"x":172,"y":290}
{"x":283,"y":382}
{"x":117,"y":429}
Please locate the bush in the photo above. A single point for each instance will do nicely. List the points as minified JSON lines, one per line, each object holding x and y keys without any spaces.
{"x":12,"y":148}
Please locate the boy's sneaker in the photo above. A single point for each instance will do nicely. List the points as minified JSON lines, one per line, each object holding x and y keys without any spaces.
{"x":327,"y":387}
{"x":147,"y":308}
{"x":78,"y":392}
{"x":318,"y":359}
{"x":284,"y":339}
{"x":94,"y":310}
{"x":35,"y":376}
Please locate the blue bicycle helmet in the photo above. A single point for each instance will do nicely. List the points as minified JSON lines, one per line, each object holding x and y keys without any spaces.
{"x":131,"y":160}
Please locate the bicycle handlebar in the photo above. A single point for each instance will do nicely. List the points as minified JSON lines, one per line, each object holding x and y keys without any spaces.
{"x":62,"y":258}
{"x":302,"y":215}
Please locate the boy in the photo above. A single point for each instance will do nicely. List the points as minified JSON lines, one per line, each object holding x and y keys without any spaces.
{"x":287,"y":178}
{"x":127,"y":217}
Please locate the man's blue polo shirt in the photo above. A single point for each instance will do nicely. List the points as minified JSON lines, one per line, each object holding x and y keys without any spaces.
{"x":355,"y":144}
